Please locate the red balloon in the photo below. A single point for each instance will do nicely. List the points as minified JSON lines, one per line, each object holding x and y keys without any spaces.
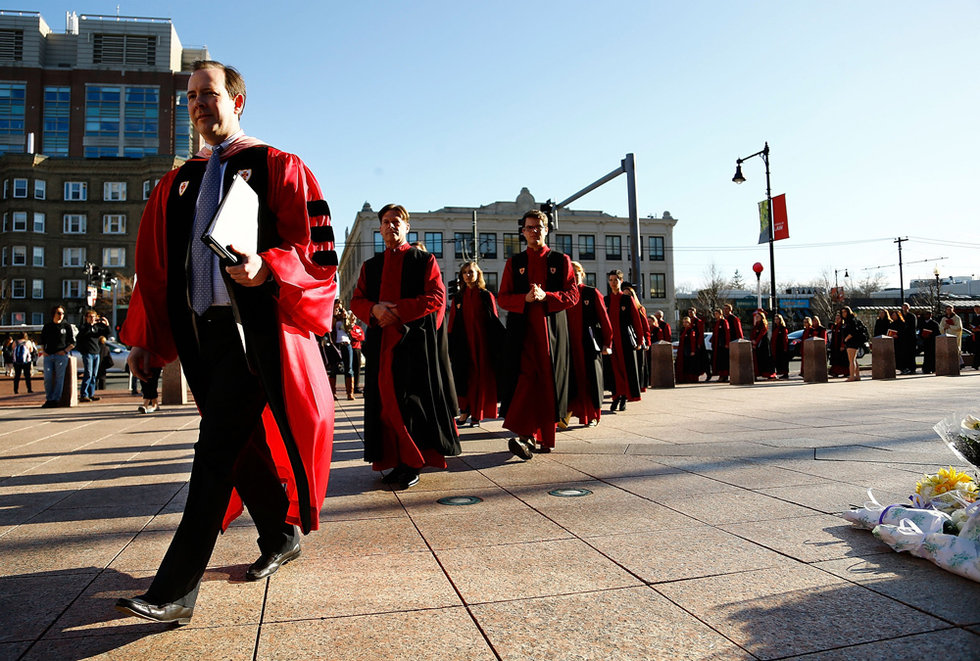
{"x":757,"y":267}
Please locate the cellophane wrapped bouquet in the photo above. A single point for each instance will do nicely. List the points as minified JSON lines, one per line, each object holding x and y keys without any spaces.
{"x":941,"y":521}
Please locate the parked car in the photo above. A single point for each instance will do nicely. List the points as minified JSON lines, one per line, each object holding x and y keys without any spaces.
{"x":861,"y":350}
{"x":118,"y":352}
{"x":707,"y":345}
{"x":796,"y":343}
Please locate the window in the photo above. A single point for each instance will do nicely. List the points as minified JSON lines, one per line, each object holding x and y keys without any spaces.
{"x":563,"y":244}
{"x":114,"y":257}
{"x":658,"y":285}
{"x":590,"y":279}
{"x":114,"y":223}
{"x":463,"y":245}
{"x":40,"y":189}
{"x":20,"y":221}
{"x":147,"y":189}
{"x":411,"y":237}
{"x":73,"y":257}
{"x":614,"y":247}
{"x":18,"y":288}
{"x":183,"y":129}
{"x":512,"y":244}
{"x":12,"y":103}
{"x":586,"y":246}
{"x":57,"y":111}
{"x":76,"y":191}
{"x":114,"y":191}
{"x":18,"y":255}
{"x":37,"y":288}
{"x":121,"y":121}
{"x":38,"y":256}
{"x":433,"y":241}
{"x":20,"y":188}
{"x":75,"y":223}
{"x":37,"y":318}
{"x":490,"y":277}
{"x":3,"y":261}
{"x":73,"y":288}
{"x":657,"y":248}
{"x":38,"y":222}
{"x":379,"y":243}
{"x":488,"y":245}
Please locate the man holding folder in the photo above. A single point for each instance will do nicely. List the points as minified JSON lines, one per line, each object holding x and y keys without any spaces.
{"x":244,"y":334}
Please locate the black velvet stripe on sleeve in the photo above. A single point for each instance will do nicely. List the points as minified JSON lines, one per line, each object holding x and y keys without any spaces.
{"x":325,"y":258}
{"x":317,"y":208}
{"x":321,"y":234}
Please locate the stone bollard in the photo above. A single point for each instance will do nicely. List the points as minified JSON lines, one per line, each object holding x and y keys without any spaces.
{"x":815,"y":360}
{"x":661,"y":365}
{"x":173,"y":389}
{"x":69,"y":393}
{"x":741,"y":367}
{"x":947,"y":355}
{"x":882,"y":357}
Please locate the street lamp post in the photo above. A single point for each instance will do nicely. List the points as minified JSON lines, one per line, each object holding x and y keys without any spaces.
{"x":738,"y":179}
{"x":935,"y":271}
{"x":757,"y":267}
{"x":837,"y":286}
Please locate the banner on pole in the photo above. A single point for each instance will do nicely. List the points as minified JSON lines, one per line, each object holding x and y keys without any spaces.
{"x":764,"y":221}
{"x":780,"y":226}
{"x":90,"y":294}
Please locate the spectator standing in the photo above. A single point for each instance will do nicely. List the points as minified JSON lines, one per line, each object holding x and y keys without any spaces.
{"x":22,"y":360}
{"x":951,"y":324}
{"x":779,"y":342}
{"x":356,"y":339}
{"x":909,"y":345}
{"x":92,"y":335}
{"x":761,"y":350}
{"x":881,"y":323}
{"x":8,"y":355}
{"x":475,"y":334}
{"x":340,"y":336}
{"x":928,"y":331}
{"x":838,"y":354}
{"x":57,"y":341}
{"x":853,"y":333}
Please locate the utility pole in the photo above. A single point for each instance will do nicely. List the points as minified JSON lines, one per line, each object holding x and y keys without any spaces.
{"x":476,"y":243}
{"x":901,"y":280}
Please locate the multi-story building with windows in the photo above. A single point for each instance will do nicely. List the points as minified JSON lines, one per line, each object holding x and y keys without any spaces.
{"x":596,"y":239}
{"x":90,"y":119}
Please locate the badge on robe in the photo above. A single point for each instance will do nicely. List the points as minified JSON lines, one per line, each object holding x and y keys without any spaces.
{"x":521,"y":270}
{"x":553,"y":270}
{"x":586,"y":302}
{"x":245,"y":174}
{"x":183,"y":187}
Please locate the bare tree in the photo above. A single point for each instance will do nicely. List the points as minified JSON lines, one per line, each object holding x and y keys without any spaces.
{"x":712,"y":294}
{"x":821,"y":303}
{"x":868,"y":285}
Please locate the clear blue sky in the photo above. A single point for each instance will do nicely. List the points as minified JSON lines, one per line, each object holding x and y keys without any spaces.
{"x":870,"y":108}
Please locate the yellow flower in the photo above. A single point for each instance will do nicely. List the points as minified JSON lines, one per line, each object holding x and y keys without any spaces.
{"x":946,"y":480}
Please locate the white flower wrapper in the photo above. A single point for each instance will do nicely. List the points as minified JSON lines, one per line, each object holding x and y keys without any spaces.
{"x":961,"y":432}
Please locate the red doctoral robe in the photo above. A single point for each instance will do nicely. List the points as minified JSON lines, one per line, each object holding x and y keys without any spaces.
{"x":626,"y":383}
{"x":532,"y":405}
{"x":582,"y":405}
{"x":304,"y":306}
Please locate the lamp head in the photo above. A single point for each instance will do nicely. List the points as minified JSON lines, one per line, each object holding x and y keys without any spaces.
{"x":738,"y":178}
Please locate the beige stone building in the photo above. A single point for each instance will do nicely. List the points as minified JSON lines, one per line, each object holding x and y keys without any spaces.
{"x":596,"y":239}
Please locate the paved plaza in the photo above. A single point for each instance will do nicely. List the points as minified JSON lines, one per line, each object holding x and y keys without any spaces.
{"x":709,"y":533}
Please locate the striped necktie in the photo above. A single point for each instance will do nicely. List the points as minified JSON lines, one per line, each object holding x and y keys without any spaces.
{"x":202,"y":259}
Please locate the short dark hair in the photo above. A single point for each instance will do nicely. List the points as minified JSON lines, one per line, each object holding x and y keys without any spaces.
{"x":402,"y":211}
{"x":617,"y":273}
{"x":55,"y":308}
{"x":234,"y":83}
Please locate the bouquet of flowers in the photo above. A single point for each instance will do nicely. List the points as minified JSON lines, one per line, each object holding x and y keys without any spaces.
{"x":942,"y":523}
{"x":961,"y":432}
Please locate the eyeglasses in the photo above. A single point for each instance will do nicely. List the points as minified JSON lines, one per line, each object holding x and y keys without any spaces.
{"x":534,"y":228}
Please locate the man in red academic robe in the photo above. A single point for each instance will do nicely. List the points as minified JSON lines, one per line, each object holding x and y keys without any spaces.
{"x":666,"y":334}
{"x":266,"y":409}
{"x":409,"y":394}
{"x":628,"y":338}
{"x":591,"y":336}
{"x":734,"y":323}
{"x":537,"y":287}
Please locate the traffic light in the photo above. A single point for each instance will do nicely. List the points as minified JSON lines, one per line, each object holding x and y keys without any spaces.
{"x":549,"y":208}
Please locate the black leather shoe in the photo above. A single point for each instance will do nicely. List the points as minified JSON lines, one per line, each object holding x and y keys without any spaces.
{"x":394,"y":476}
{"x":409,"y":478}
{"x":269,"y":563}
{"x":518,"y":449}
{"x":166,"y":613}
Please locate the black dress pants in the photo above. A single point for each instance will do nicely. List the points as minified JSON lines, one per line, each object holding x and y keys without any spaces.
{"x":230,"y":452}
